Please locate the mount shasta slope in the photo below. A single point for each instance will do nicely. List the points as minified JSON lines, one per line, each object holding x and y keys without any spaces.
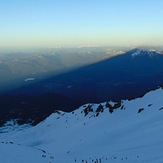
{"x":128,"y":131}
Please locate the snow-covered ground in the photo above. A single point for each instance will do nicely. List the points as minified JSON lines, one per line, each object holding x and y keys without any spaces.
{"x":133,"y":133}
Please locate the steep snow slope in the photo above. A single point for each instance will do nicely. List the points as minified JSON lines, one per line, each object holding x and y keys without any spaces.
{"x":17,"y":153}
{"x":128,"y":131}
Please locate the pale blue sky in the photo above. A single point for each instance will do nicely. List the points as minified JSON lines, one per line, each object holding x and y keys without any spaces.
{"x":50,"y":23}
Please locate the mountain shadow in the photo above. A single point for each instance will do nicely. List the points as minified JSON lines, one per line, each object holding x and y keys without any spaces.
{"x":121,"y":77}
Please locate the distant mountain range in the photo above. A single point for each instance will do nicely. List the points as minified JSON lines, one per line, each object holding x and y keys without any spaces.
{"x":125,"y":76}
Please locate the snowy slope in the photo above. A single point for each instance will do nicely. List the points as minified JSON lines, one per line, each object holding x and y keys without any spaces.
{"x":133,"y":132}
{"x":17,"y":153}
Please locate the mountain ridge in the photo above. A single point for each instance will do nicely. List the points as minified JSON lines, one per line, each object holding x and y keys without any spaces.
{"x":141,"y":51}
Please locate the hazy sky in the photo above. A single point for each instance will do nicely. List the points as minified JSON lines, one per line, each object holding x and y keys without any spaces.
{"x":50,"y":23}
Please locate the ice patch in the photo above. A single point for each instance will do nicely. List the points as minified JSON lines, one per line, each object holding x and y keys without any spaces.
{"x":29,"y":79}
